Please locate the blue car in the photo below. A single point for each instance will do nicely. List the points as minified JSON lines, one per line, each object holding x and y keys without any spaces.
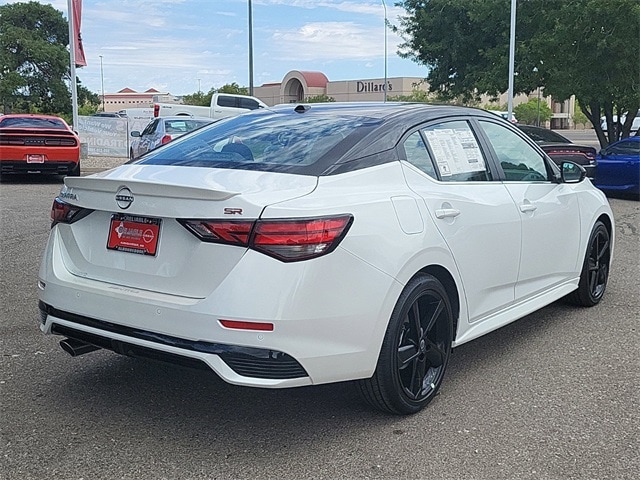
{"x":618,"y":167}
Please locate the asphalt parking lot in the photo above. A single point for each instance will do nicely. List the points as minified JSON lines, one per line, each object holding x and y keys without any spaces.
{"x":552,"y":396}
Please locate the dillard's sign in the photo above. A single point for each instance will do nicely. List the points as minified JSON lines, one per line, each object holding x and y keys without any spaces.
{"x":367,"y":87}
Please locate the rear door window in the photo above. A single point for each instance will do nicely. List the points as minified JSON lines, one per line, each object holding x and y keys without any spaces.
{"x":456,"y":152}
{"x":417,"y":154}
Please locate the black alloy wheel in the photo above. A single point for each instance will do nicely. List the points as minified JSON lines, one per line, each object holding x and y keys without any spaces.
{"x":595,"y":269}
{"x":415,"y":351}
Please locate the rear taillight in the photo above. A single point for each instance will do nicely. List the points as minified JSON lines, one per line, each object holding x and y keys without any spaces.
{"x":156,"y":110}
{"x":227,"y":232}
{"x":288,"y":240}
{"x":291,"y":240}
{"x":62,"y":212}
{"x":165,"y":139}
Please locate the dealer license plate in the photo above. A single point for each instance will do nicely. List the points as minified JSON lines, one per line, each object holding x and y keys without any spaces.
{"x":133,"y":234}
{"x":35,"y":158}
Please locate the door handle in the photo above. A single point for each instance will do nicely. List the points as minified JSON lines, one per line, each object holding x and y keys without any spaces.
{"x":447,"y":212}
{"x":527,"y":207}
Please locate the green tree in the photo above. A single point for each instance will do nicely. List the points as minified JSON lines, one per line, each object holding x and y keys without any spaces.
{"x":199,"y":98}
{"x":416,"y":95}
{"x":88,"y":101}
{"x":578,"y":116}
{"x":233,"y":88}
{"x":34,"y":61}
{"x":204,"y":99}
{"x":319,"y":99}
{"x":495,"y":106}
{"x":534,"y":112}
{"x":567,"y":47}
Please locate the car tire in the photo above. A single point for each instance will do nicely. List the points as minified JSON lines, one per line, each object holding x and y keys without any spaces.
{"x":595,"y":269}
{"x":75,"y":171}
{"x":415,"y":350}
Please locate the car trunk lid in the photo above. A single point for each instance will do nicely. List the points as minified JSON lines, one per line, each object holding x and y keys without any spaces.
{"x":149,"y":201}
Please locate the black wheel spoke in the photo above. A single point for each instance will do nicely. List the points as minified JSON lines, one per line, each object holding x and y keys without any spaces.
{"x":593,"y":281}
{"x":406,"y":354}
{"x":415,"y":310}
{"x":603,"y":251}
{"x":417,"y":378}
{"x":436,"y":313}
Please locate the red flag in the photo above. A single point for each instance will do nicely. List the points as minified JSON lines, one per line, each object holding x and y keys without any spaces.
{"x":77,"y":38}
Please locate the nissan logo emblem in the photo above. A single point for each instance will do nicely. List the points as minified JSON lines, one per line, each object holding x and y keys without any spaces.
{"x":124,"y":198}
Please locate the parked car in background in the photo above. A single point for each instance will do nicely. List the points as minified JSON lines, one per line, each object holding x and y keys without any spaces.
{"x":309,"y":244}
{"x":560,"y":148}
{"x":110,"y":114}
{"x":38,"y":143}
{"x":618,"y":167}
{"x":505,"y":115}
{"x":162,"y":130}
{"x":222,"y":105}
{"x":635,"y":126}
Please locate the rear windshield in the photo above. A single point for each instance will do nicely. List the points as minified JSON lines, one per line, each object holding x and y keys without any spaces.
{"x":184,"y":126}
{"x":271,"y":142}
{"x":541,"y":135}
{"x":32,"y":122}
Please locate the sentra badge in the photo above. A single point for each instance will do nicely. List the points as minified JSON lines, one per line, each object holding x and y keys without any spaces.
{"x":124,"y":198}
{"x":68,"y":194}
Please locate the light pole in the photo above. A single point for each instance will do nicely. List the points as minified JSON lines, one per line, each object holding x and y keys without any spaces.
{"x":102,"y":81}
{"x":250,"y":50}
{"x":538,"y":121}
{"x":199,"y":86}
{"x":384,"y":5}
{"x":535,"y":70}
{"x":512,"y":55}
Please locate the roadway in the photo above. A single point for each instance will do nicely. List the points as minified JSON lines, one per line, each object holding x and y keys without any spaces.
{"x":552,"y":396}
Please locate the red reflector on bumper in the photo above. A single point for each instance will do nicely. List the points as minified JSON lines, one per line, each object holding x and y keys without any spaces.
{"x":260,"y":326}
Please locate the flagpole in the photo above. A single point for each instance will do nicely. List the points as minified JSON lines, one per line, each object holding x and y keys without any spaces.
{"x":512,"y":55}
{"x":250,"y":50}
{"x":72,"y":65}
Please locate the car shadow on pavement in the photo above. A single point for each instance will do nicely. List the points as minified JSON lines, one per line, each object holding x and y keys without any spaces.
{"x":32,"y":179}
{"x":157,"y":398}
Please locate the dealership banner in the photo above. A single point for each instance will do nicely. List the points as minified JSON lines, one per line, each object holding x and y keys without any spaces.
{"x":104,"y":136}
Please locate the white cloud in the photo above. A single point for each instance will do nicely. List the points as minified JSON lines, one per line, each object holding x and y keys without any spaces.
{"x":331,"y":40}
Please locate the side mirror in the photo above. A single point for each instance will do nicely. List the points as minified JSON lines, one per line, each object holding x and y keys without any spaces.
{"x":603,"y":152}
{"x":571,"y":172}
{"x":135,"y":133}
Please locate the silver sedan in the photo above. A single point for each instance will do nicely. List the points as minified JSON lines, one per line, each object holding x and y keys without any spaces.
{"x":162,"y":130}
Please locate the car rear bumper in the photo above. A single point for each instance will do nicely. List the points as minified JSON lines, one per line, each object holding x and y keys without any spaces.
{"x":61,"y":167}
{"x":320,"y":334}
{"x":258,"y":363}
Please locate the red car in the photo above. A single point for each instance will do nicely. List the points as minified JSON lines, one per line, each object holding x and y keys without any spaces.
{"x":38,"y":143}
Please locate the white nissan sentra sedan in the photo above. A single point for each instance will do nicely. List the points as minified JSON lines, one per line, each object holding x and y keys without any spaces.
{"x":308,"y":244}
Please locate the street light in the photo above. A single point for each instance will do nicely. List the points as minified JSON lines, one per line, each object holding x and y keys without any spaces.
{"x":102,"y":81}
{"x":535,"y":70}
{"x":199,"y":86}
{"x":384,"y":5}
{"x":250,"y":50}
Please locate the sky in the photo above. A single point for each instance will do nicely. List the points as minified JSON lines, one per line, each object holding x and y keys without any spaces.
{"x":180,"y":46}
